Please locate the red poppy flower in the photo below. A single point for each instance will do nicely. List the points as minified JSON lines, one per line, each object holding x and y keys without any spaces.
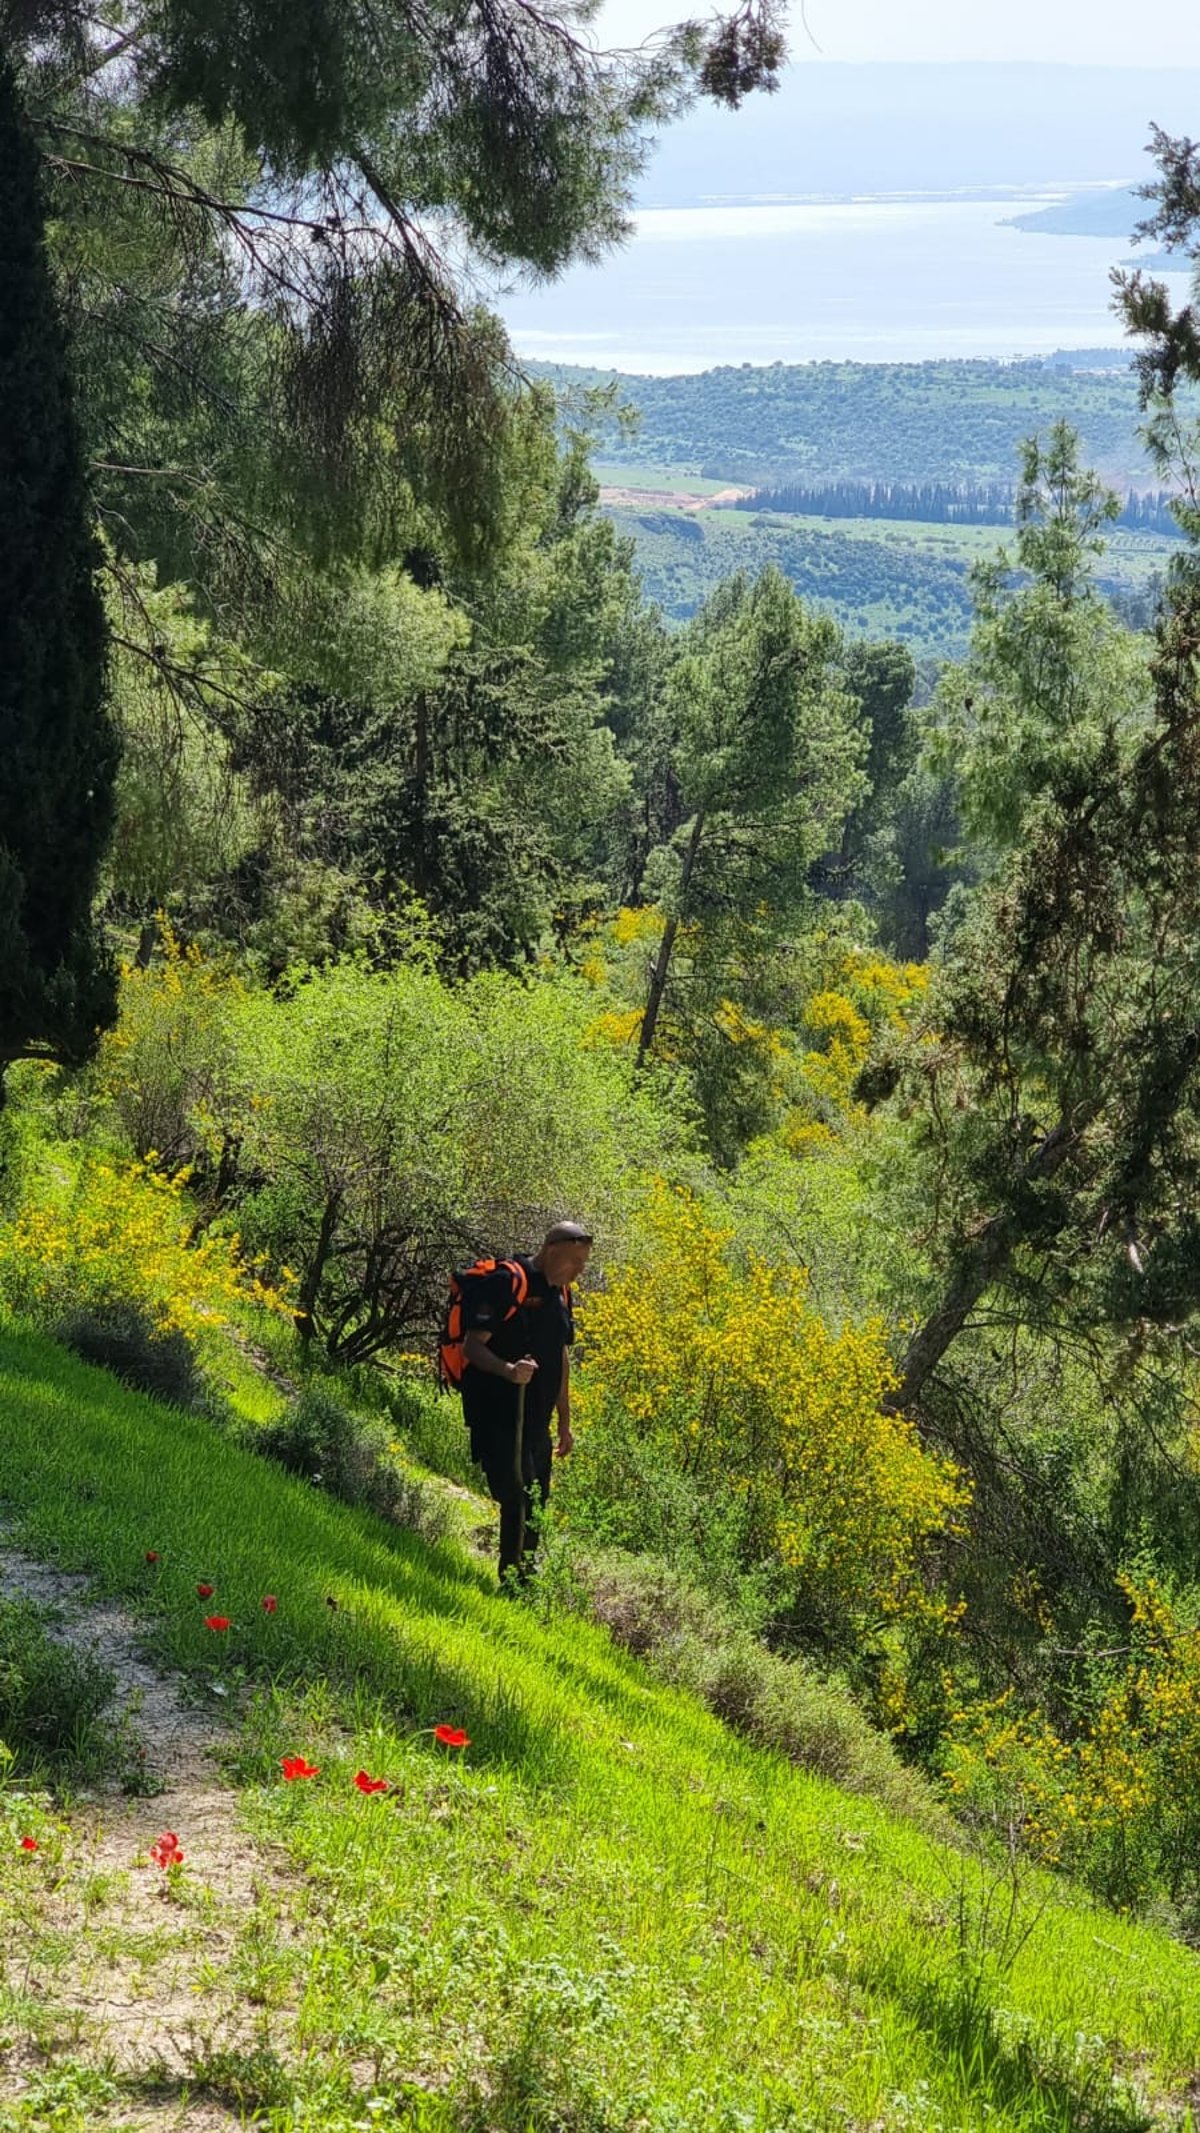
{"x":368,"y":1784}
{"x":204,"y":1592}
{"x":294,"y":1766}
{"x":270,"y":1603}
{"x":29,"y":1844}
{"x":451,"y":1736}
{"x":165,"y":1850}
{"x":152,"y":1555}
{"x":217,"y":1622}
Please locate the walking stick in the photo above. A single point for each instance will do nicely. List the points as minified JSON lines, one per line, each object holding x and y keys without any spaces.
{"x":519,"y":1464}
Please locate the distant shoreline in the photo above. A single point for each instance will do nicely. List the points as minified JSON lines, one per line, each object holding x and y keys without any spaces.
{"x":1085,"y":360}
{"x":904,"y":196}
{"x":871,"y":277}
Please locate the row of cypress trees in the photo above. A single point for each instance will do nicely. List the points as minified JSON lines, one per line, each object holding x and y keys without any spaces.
{"x":936,"y":503}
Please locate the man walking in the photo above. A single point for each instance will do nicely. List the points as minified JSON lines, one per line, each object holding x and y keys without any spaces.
{"x":517,"y":1333}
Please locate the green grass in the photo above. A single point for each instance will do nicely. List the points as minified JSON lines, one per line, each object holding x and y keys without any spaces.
{"x":608,"y":1913}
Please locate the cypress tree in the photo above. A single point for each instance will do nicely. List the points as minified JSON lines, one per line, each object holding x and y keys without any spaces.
{"x":58,"y":749}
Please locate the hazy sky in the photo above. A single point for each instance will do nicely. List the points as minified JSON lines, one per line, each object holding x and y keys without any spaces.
{"x":1100,"y":32}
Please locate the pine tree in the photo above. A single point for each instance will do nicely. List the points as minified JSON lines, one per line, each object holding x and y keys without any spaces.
{"x":1058,"y":1077}
{"x":57,"y":744}
{"x":763,"y":756}
{"x":274,"y":223}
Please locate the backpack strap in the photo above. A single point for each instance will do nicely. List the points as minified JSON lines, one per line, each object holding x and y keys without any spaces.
{"x":520,"y":1281}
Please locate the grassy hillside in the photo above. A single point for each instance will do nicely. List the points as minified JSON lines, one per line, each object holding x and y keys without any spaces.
{"x":605,"y":1913}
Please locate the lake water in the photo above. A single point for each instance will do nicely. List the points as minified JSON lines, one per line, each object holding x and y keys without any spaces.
{"x":869,"y":280}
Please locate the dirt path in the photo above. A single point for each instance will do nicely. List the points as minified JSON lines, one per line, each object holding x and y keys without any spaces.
{"x":670,"y":499}
{"x":122,"y":1968}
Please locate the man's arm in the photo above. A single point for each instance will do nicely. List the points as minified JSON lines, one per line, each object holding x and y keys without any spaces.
{"x":477,"y":1349}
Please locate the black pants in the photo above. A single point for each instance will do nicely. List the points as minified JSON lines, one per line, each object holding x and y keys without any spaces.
{"x":520,"y":1497}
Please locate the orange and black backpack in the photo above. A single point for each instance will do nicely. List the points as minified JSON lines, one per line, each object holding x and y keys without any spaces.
{"x":452,"y":1359}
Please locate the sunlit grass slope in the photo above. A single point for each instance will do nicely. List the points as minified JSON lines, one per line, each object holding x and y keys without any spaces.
{"x":606,"y":1912}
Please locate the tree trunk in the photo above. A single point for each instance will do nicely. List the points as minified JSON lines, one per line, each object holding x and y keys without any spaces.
{"x":306,"y":1302}
{"x":147,"y":943}
{"x":979,"y":1262}
{"x":662,"y":961}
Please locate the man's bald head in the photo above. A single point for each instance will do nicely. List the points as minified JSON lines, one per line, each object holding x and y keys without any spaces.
{"x":564,"y":1253}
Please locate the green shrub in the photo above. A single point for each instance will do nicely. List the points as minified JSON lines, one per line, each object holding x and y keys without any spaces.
{"x":696,"y":1644}
{"x":51,"y":1697}
{"x":416,"y":1505}
{"x":374,"y":1157}
{"x":320,"y":1439}
{"x":618,"y":1490}
{"x":142,"y":1352}
{"x":317,"y":1438}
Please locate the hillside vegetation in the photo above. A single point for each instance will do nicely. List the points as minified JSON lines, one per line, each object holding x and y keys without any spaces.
{"x":602,"y":1911}
{"x":413,"y":885}
{"x":824,"y":427}
{"x":873,"y":422}
{"x":909,"y":580}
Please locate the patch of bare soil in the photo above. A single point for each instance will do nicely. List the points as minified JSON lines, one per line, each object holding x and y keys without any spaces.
{"x":670,"y":499}
{"x":146,"y":1975}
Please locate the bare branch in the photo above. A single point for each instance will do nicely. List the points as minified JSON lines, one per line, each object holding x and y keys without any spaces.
{"x":117,"y":50}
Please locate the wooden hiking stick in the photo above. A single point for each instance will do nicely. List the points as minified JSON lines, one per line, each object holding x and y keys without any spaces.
{"x":519,"y":1462}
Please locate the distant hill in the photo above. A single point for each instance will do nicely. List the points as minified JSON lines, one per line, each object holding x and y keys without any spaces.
{"x":838,"y":129}
{"x":905,"y":422}
{"x":1105,"y":211}
{"x":919,"y":423}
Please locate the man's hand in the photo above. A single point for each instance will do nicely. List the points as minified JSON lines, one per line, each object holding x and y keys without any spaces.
{"x":520,"y":1373}
{"x":566,"y":1439}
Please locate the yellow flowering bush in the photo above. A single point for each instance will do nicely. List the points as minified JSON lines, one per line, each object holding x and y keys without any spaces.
{"x":613,"y":956}
{"x":120,"y":1235}
{"x":844,"y":1039}
{"x":732,"y":1373}
{"x":164,"y":1068}
{"x":860,"y":994}
{"x":638,"y":925}
{"x":742,"y":1028}
{"x":617,"y":1026}
{"x":1118,"y":1799}
{"x":883,"y":991}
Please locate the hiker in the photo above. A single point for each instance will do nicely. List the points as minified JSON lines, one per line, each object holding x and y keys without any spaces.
{"x":516,"y":1332}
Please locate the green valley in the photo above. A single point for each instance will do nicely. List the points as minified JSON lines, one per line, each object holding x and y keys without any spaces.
{"x":941,"y":421}
{"x":954,"y":423}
